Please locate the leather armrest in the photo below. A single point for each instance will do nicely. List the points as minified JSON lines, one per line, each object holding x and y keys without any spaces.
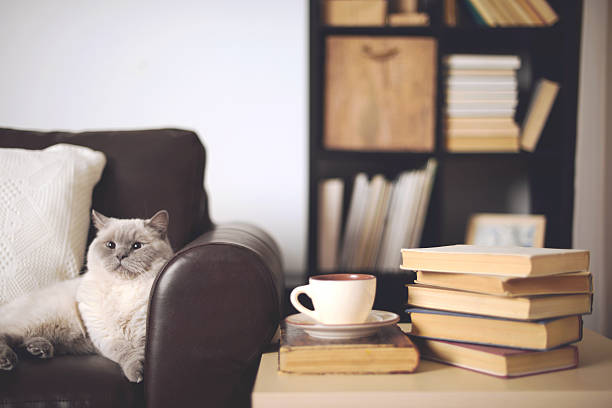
{"x":213,"y":308}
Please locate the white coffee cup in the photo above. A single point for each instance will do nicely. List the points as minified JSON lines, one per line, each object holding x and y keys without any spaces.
{"x":338,"y":298}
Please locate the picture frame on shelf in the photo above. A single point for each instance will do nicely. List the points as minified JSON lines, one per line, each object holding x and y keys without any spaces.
{"x":490,"y":229}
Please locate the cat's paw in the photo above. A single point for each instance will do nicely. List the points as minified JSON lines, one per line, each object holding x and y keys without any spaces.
{"x":39,"y":347}
{"x":133,"y":370}
{"x":8,"y":358}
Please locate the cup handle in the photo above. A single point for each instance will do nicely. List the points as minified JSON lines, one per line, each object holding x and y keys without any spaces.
{"x":296,"y":303}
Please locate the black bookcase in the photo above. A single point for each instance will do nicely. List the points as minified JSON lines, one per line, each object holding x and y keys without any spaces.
{"x":471,"y":182}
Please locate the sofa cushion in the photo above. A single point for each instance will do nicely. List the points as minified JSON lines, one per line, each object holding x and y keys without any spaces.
{"x":68,"y":381}
{"x":45,"y":197}
{"x":146,"y":171}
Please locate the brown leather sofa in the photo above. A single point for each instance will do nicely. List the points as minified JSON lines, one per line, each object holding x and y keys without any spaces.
{"x":213,"y":308}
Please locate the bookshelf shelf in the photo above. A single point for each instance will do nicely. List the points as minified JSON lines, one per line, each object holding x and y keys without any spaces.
{"x":382,"y":30}
{"x":541,"y":182}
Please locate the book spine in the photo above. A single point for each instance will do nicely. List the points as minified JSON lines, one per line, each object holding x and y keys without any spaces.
{"x":480,"y":343}
{"x":482,"y":105}
{"x":479,"y":16}
{"x":463,"y":61}
{"x":522,"y":16}
{"x":546,"y":13}
{"x":478,"y":113}
{"x":330,"y":216}
{"x":537,"y":113}
{"x":534,"y":17}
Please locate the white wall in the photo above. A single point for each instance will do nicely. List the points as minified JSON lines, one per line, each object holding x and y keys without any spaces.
{"x":233,"y":71}
{"x":591,"y":213}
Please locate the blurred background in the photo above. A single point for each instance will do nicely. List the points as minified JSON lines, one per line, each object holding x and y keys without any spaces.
{"x":237,"y":74}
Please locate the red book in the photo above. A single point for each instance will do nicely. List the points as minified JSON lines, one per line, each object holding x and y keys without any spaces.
{"x":498,"y":361}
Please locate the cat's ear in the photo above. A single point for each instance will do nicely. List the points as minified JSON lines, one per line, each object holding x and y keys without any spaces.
{"x":159,"y":222}
{"x":99,"y":220}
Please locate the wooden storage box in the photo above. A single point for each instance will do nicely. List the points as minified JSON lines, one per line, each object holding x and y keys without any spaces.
{"x":354,"y":12}
{"x":380,"y":93}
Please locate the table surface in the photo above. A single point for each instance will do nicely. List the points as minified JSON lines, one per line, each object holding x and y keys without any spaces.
{"x":439,"y":385}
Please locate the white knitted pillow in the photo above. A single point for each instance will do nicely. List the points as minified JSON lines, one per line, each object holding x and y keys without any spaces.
{"x":45,"y":201}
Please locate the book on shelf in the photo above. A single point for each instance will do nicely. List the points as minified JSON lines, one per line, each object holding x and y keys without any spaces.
{"x":483,"y":105}
{"x":450,"y":13}
{"x":475,"y":329}
{"x":355,"y":215}
{"x":388,"y":351}
{"x":512,"y":13}
{"x":504,"y":15}
{"x":384,"y":215}
{"x":456,"y":72}
{"x":480,"y":144}
{"x":544,"y":11}
{"x":413,"y":239}
{"x":512,"y":132}
{"x":577,"y":282}
{"x":534,"y":17}
{"x":498,"y":361}
{"x":491,"y":112}
{"x":481,"y":15}
{"x":406,"y":216}
{"x":463,"y":96}
{"x":480,"y":85}
{"x":519,"y":308}
{"x":504,"y":261}
{"x":518,"y":14}
{"x":480,"y":124}
{"x":480,"y":88}
{"x":369,"y":239}
{"x":481,"y":61}
{"x":330,"y":217}
{"x":537,"y":113}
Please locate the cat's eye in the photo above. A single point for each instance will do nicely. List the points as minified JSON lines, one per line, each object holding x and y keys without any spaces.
{"x":136,"y":245}
{"x":110,"y":244}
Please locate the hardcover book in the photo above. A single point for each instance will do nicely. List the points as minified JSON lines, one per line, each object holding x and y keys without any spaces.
{"x":477,"y":61}
{"x":520,"y":308}
{"x":579,"y":282}
{"x":498,"y":361}
{"x":388,"y":351}
{"x":458,"y":327}
{"x":537,"y":114}
{"x":504,"y":261}
{"x":491,"y":143}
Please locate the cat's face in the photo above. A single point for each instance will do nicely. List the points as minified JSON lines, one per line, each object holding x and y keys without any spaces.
{"x":128,"y":248}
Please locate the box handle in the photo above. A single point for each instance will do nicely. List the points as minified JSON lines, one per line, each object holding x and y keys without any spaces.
{"x":380,"y":56}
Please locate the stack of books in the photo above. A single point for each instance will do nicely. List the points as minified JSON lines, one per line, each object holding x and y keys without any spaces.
{"x":481,"y":99}
{"x":502,"y":311}
{"x":508,"y":13}
{"x":382,"y":216}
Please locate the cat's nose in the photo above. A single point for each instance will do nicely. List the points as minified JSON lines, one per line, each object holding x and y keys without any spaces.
{"x":121,"y":257}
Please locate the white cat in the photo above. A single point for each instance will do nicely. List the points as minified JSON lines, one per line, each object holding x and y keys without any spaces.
{"x":104,"y":310}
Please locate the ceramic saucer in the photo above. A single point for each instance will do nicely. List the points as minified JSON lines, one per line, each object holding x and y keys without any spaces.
{"x":375,"y":321}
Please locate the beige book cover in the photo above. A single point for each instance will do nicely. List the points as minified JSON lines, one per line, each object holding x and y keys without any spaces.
{"x":505,"y":261}
{"x":537,"y":113}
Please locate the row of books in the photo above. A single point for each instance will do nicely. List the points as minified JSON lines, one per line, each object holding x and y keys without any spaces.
{"x":481,"y":101}
{"x":508,"y":13}
{"x":502,"y":311}
{"x":382,"y":216}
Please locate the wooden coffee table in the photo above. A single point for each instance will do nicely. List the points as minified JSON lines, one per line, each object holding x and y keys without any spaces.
{"x":439,"y":385}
